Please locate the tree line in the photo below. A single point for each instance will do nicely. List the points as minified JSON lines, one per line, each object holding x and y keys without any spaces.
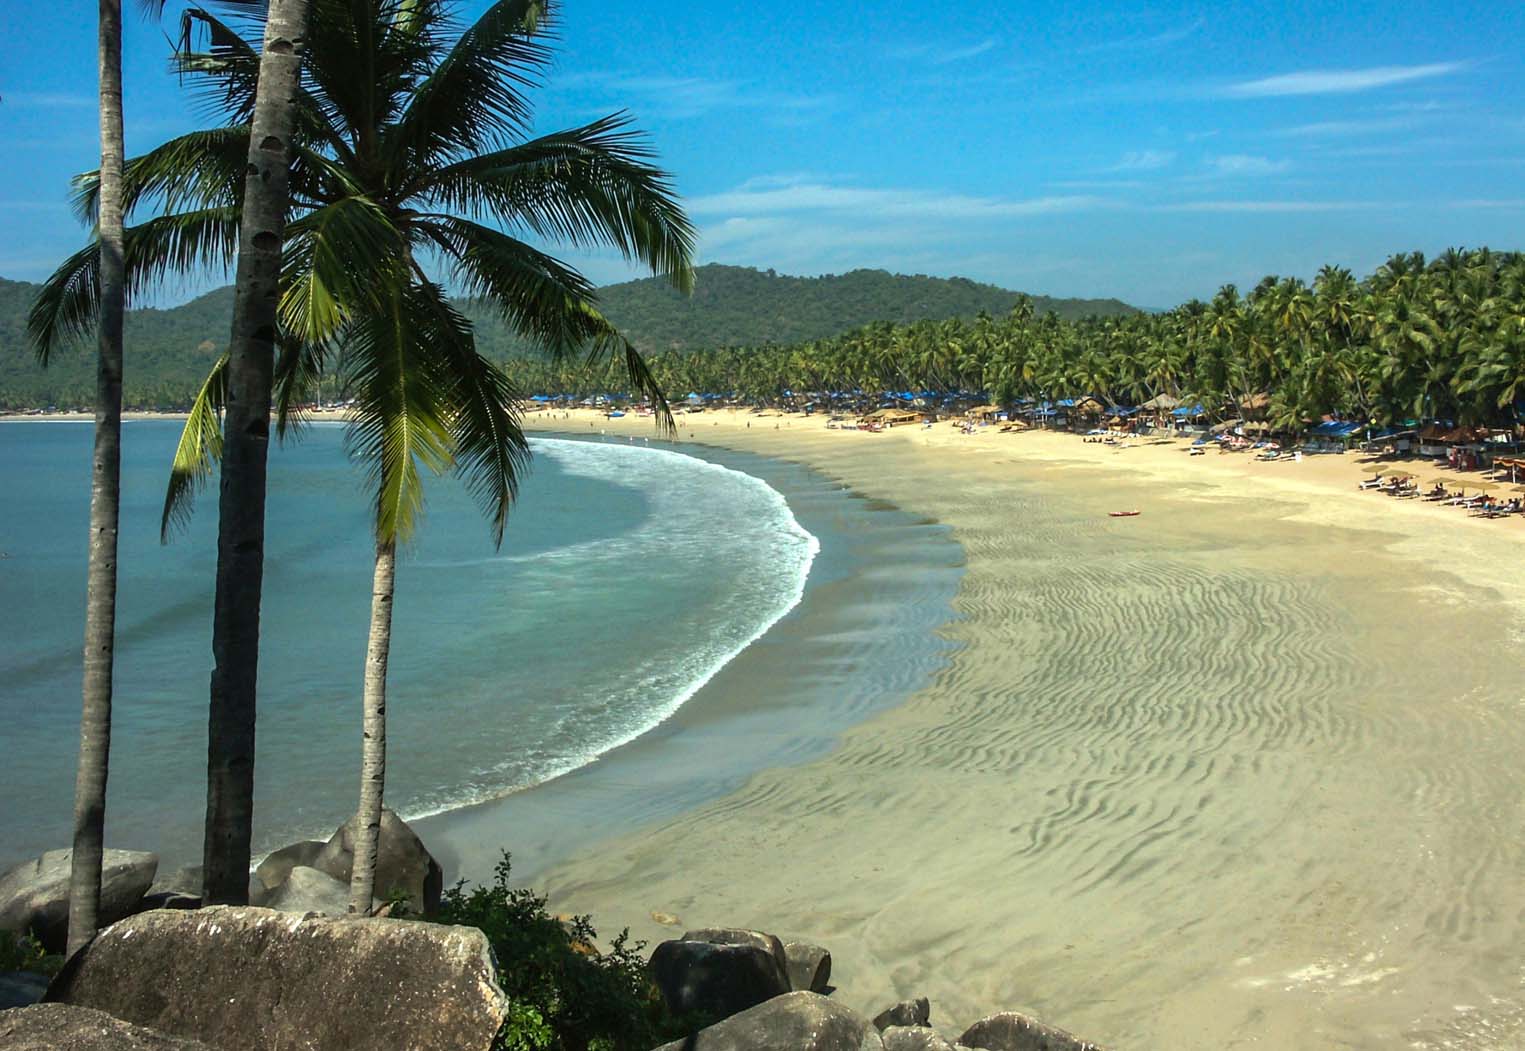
{"x":1416,"y":340}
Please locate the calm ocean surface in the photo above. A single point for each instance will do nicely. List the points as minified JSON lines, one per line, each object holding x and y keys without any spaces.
{"x":629,"y":576}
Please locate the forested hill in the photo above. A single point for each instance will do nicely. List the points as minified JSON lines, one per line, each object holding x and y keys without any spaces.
{"x":170,"y":350}
{"x":738,"y":306}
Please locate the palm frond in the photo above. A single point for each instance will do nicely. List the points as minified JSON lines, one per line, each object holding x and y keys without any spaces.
{"x":197,"y":170}
{"x":199,"y":448}
{"x":298,"y":367}
{"x":402,"y":400}
{"x":490,"y":448}
{"x":334,"y":259}
{"x":67,"y":306}
{"x":537,"y":294}
{"x":474,"y":98}
{"x":592,"y":185}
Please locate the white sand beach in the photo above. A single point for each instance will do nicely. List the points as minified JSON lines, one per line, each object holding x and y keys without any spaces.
{"x":1242,"y":770}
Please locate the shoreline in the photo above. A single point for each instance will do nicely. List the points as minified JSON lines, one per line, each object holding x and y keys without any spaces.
{"x":775,"y":702}
{"x":1211,"y":775}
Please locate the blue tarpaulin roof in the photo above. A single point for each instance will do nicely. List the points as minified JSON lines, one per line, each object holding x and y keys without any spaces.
{"x":1335,"y":429}
{"x":1188,"y":410}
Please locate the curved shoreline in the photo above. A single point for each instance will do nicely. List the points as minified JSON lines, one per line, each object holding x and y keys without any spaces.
{"x":661,"y":713}
{"x":771,"y":704}
{"x":1241,"y":770}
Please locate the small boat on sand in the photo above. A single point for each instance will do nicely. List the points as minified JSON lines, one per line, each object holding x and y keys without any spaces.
{"x":1122,"y":514}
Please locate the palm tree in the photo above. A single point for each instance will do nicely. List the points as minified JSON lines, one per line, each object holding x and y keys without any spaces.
{"x":406,"y":150}
{"x":105,"y":493}
{"x":241,"y":507}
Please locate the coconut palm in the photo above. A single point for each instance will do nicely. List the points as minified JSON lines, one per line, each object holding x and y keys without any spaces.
{"x":410,"y":151}
{"x":105,"y":492}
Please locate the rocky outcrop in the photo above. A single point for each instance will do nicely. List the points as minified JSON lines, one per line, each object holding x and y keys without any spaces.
{"x":272,"y":872}
{"x":1012,"y":1031}
{"x":713,"y":981}
{"x":181,"y":889}
{"x":307,"y":890}
{"x":51,"y":1027}
{"x":19,"y":988}
{"x":250,"y":979}
{"x":905,"y":1013}
{"x":914,"y":1038}
{"x":403,"y":866}
{"x":792,"y":1022}
{"x":34,"y":895}
{"x":741,"y":936}
{"x":808,"y":966}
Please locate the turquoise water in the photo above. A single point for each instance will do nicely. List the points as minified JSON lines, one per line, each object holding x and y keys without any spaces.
{"x":629,"y":577}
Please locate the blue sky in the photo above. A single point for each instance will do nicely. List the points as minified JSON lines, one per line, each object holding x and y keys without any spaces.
{"x":1149,"y":152}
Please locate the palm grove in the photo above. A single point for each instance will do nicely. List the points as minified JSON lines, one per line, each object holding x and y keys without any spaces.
{"x":1416,"y":340}
{"x":368,"y":152}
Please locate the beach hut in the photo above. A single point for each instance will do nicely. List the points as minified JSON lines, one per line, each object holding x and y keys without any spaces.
{"x":1255,"y":406}
{"x":890,"y":417}
{"x":985,"y":413}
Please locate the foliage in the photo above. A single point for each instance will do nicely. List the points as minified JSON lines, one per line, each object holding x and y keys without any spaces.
{"x":170,"y":350}
{"x":565,"y":993}
{"x":1443,"y":339}
{"x":23,"y":952}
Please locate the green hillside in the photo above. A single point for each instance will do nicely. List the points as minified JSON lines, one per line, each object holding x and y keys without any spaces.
{"x":169,"y":351}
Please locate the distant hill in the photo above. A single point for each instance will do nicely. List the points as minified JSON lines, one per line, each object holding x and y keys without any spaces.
{"x":170,"y":350}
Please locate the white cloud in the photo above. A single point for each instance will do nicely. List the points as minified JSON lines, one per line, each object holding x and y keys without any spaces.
{"x":1338,"y":81}
{"x":47,"y":100}
{"x":1169,"y":36}
{"x":1273,"y":207}
{"x":1243,"y":164}
{"x":755,"y":200}
{"x":684,"y":97}
{"x":1144,"y":161}
{"x":942,"y":54}
{"x":1343,"y":128}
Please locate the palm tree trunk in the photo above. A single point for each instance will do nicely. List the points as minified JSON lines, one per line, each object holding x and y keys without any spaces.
{"x":373,"y":750}
{"x":105,"y":490}
{"x":241,"y":508}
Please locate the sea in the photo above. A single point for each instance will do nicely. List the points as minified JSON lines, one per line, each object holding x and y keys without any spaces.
{"x":631,"y":573}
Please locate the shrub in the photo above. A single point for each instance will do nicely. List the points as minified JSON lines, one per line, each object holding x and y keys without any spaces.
{"x":565,"y":994}
{"x":22,"y":952}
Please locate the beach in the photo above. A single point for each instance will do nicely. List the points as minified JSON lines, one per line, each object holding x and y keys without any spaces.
{"x":1239,"y":771}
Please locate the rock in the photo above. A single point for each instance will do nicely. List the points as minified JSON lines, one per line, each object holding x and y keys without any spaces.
{"x":1011,"y":1031}
{"x":739,"y":936}
{"x":808,"y":966}
{"x":307,"y":890}
{"x":914,"y":1038}
{"x":272,"y":872}
{"x":905,"y":1013}
{"x":185,"y":880}
{"x":181,"y":889}
{"x":34,"y":895}
{"x":666,"y":919}
{"x":711,"y":981}
{"x":249,"y":979}
{"x":49,"y":1027}
{"x":19,"y":988}
{"x":168,"y":900}
{"x":791,"y":1022}
{"x":402,"y":864}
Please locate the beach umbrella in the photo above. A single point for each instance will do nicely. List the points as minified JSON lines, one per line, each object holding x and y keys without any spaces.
{"x":1376,"y":468}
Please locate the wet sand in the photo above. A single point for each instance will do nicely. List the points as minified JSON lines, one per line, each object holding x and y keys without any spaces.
{"x":1241,"y":771}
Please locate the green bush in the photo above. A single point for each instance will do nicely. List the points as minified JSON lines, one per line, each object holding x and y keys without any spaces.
{"x":22,"y":952}
{"x":564,"y":993}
